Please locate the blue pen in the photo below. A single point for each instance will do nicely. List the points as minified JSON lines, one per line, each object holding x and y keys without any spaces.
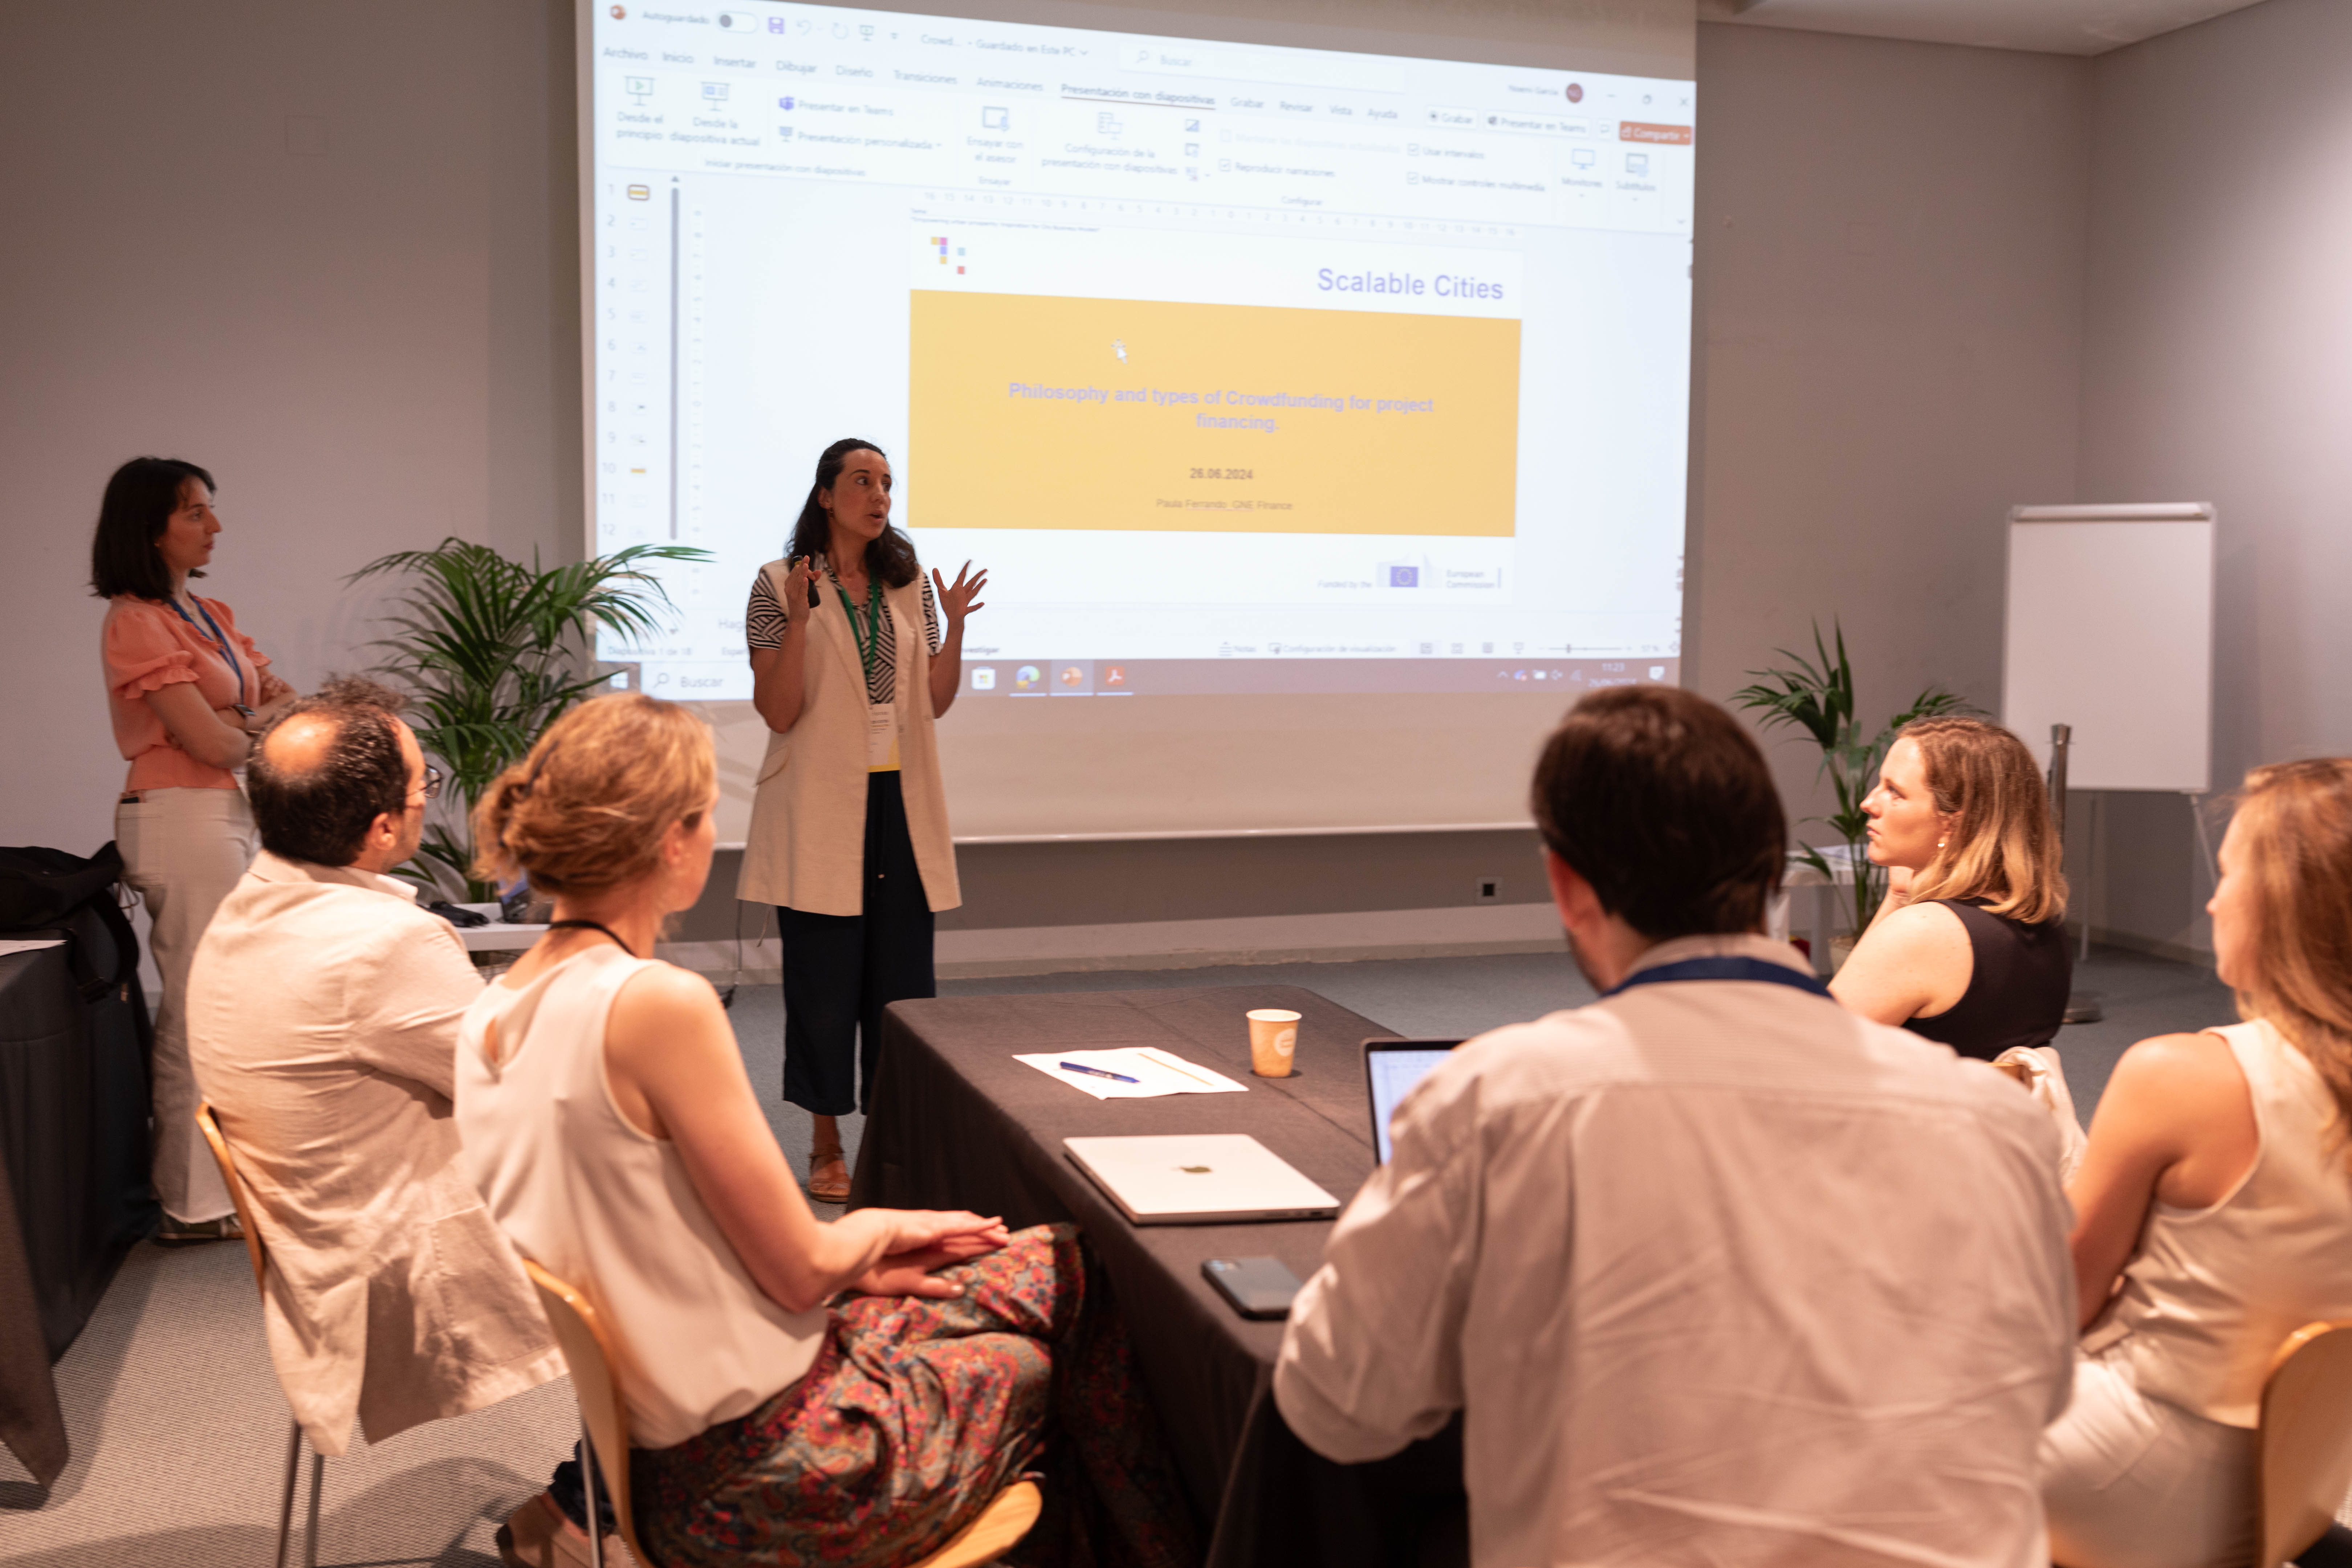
{"x":1097,"y":1072}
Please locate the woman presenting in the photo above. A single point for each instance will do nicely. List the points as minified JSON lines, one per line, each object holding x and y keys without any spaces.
{"x":849,"y":826}
{"x":187,"y":691}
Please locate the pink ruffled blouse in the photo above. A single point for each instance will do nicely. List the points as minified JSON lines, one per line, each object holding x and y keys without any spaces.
{"x":147,"y":646}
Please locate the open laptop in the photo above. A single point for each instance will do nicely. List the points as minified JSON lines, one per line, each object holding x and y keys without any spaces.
{"x":1198,"y":1178}
{"x":1390,"y":1070}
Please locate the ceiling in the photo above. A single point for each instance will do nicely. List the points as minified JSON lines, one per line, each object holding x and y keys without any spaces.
{"x":2050,"y":26}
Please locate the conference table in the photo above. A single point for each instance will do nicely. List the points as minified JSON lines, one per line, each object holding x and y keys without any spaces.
{"x":956,"y":1122}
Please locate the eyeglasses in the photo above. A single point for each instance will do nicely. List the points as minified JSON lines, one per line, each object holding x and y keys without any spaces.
{"x":432,"y":781}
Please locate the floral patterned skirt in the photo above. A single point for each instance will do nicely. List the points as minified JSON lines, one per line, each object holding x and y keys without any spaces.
{"x":916,"y":1414}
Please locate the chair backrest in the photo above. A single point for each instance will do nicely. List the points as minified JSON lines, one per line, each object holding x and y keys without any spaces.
{"x":210,"y":1126}
{"x":588,"y":1351}
{"x":2305,"y":1464}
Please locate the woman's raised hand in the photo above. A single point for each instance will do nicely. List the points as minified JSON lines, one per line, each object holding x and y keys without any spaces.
{"x":800,"y":588}
{"x":964,"y":598}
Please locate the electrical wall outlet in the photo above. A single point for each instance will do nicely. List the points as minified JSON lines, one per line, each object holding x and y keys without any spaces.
{"x":1490,"y":889}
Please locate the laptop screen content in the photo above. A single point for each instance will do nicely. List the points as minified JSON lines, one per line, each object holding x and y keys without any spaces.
{"x":1393,"y":1071}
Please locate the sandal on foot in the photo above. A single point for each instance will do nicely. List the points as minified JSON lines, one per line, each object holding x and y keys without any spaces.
{"x":537,"y":1535}
{"x":828,"y":1177}
{"x":194,"y":1233}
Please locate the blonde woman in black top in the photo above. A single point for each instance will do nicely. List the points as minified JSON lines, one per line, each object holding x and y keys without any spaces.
{"x":1968,"y":947}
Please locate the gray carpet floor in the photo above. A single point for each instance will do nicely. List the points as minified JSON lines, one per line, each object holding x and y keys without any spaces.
{"x":179,"y":1431}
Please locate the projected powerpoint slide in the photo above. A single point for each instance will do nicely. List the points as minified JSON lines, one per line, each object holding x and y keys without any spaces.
{"x":1237,"y":367}
{"x":1129,"y":414}
{"x":1274,"y":401}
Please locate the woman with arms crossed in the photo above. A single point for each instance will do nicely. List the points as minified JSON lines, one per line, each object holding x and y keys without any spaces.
{"x":187,"y":692}
{"x":798,"y":1393}
{"x":1968,"y":947}
{"x":849,"y":826}
{"x":2214,"y":1204}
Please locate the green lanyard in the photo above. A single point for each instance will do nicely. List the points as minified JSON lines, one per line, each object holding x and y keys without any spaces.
{"x":868,"y":645}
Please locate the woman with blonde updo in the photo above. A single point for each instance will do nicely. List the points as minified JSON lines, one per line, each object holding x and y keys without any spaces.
{"x":2214,"y":1203}
{"x":1968,"y":947}
{"x":798,"y":1392}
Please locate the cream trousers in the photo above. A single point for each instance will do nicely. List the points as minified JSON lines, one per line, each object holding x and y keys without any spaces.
{"x":2133,"y":1482}
{"x":182,"y":850}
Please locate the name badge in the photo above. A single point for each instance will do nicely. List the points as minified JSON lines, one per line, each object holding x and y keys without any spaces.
{"x":881,"y":735}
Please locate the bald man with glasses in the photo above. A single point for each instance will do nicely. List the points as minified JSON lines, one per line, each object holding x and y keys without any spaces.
{"x":323,"y":1006}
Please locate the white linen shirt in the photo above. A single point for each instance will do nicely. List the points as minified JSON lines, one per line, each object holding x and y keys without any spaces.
{"x":323,"y":1007}
{"x":1719,"y":1273}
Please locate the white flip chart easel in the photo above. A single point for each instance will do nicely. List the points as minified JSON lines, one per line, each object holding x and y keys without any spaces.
{"x":2110,"y":630}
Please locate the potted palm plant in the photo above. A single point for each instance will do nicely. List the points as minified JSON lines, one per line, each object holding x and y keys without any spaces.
{"x":1816,"y":695}
{"x":492,"y":651}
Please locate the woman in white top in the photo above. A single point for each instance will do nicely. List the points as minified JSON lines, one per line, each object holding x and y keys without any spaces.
{"x":2215,"y":1205}
{"x":849,"y":828}
{"x":798,"y":1392}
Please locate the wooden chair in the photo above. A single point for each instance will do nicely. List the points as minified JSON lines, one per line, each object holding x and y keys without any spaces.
{"x":604,"y":1423}
{"x":259,"y":1254}
{"x":2305,"y":1455}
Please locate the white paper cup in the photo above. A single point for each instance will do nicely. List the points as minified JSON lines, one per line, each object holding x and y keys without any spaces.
{"x":1274,"y":1039}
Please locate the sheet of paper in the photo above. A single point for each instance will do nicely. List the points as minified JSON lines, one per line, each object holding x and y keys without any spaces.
{"x":1156,"y":1072}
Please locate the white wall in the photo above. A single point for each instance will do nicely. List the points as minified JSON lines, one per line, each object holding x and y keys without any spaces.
{"x":326,"y":251}
{"x":377,"y":345}
{"x":1890,"y":318}
{"x":2218,"y":366}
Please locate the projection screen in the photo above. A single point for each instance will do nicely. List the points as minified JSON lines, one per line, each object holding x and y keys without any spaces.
{"x":1320,"y":417}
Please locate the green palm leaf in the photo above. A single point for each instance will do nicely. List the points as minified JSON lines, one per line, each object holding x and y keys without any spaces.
{"x":1816,"y":695}
{"x":492,"y":651}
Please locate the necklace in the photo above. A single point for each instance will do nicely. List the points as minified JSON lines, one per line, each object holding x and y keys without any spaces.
{"x":593,"y":925}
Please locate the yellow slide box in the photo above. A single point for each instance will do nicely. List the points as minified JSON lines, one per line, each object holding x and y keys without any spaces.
{"x":1032,"y":411}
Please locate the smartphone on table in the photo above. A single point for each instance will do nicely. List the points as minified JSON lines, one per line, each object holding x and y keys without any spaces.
{"x":1257,"y":1287}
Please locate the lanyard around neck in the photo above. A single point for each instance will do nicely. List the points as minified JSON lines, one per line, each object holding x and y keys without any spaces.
{"x":1758,"y":969}
{"x":235,"y":670}
{"x":868,"y":639}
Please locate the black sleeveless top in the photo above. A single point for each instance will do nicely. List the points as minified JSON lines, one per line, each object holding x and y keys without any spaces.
{"x":2017,"y":992}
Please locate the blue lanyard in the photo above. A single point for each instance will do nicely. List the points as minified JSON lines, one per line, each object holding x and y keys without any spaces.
{"x":1760,"y":969}
{"x":235,"y":670}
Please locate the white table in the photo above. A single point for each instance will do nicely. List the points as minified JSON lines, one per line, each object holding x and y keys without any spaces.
{"x":498,"y":936}
{"x":1824,"y":892}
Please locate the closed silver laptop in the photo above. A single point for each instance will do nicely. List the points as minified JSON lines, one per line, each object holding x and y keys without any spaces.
{"x":1200,"y":1178}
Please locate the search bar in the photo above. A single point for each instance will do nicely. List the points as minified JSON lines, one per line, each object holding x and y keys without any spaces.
{"x":1284,"y":67}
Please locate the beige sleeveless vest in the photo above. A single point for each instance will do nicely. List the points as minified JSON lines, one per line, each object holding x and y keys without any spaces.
{"x":2211,"y":1292}
{"x":806,"y":849}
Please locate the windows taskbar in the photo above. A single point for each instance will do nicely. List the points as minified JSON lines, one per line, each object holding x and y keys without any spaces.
{"x":987,"y":676}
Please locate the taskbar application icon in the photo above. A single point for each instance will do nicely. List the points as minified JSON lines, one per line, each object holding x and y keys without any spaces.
{"x":1055,"y":677}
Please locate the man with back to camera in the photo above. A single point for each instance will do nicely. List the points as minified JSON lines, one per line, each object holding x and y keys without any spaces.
{"x":323,"y":1006}
{"x":1716,"y":1270}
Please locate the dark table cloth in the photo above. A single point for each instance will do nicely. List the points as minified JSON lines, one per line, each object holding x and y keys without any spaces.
{"x":73,"y":1165}
{"x":40,"y":1038}
{"x":957,"y":1123}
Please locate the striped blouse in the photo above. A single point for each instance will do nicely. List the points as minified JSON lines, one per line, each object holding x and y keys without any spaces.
{"x":765,"y":618}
